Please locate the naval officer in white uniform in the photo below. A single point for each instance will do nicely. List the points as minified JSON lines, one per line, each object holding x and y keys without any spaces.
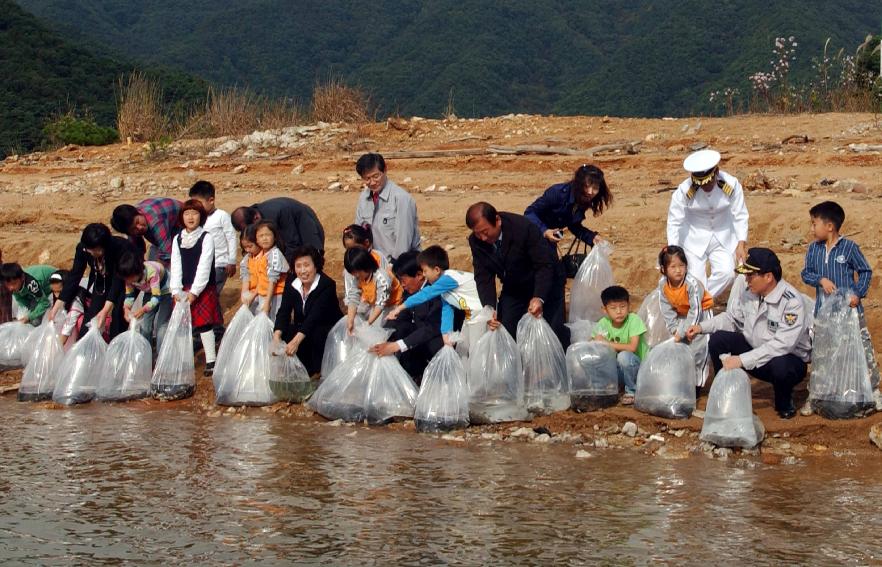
{"x":708,"y":219}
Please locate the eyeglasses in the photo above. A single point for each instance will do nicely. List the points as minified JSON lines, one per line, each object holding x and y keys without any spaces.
{"x":376,"y":176}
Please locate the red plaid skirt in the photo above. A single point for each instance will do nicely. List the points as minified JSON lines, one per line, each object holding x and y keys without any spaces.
{"x":206,"y":310}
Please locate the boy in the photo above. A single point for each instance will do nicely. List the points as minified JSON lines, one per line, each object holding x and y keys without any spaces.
{"x":29,"y":287}
{"x":625,"y":333}
{"x":833,"y":262}
{"x":220,"y":227}
{"x":456,"y":288}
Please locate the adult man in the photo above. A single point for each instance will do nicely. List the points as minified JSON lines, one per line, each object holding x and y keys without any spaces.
{"x":766,"y":332}
{"x":387,"y":208}
{"x":708,"y":219}
{"x":155,"y":220}
{"x":297,"y":222}
{"x":510,"y":247}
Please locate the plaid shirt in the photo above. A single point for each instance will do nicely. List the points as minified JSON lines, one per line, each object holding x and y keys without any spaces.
{"x":845,"y":266}
{"x":162,"y":227}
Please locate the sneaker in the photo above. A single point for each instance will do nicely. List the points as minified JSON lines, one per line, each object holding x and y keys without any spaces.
{"x":209,"y":370}
{"x":806,"y":409}
{"x":628,"y":400}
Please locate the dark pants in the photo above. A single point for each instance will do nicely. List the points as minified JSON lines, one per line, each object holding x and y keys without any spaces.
{"x":510,"y":309}
{"x":117,"y":318}
{"x":783,"y":372}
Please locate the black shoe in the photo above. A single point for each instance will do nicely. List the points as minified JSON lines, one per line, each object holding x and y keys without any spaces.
{"x":787,"y":413}
{"x":209,"y":370}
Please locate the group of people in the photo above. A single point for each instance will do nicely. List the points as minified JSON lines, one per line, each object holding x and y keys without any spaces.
{"x":388,"y":279}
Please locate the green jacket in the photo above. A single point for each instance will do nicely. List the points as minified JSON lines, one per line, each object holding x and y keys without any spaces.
{"x":35,"y":294}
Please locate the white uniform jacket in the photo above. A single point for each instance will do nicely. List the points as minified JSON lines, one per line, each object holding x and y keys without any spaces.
{"x":695,"y":216}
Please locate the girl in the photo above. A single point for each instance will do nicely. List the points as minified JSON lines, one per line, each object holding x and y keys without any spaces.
{"x":379,"y":289}
{"x":192,"y":276}
{"x":684,"y":302}
{"x":151,"y":278}
{"x":249,"y":264}
{"x":357,"y":236}
{"x":269,"y":268}
{"x":309,"y":309}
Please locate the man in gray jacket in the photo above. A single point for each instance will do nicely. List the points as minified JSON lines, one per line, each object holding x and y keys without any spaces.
{"x":388,"y":209}
{"x":766,"y":333}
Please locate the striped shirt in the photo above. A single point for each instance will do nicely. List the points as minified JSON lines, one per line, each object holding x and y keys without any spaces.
{"x":844,"y":265}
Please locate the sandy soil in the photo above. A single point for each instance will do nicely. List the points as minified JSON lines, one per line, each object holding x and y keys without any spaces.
{"x":46,"y":199}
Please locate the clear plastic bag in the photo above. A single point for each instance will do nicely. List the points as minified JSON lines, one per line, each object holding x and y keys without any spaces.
{"x":593,"y":375}
{"x":443,"y":402}
{"x":247,"y":382}
{"x":581,"y":331}
{"x":666,"y":381}
{"x":840,"y":386}
{"x":38,"y":380}
{"x":14,"y":348}
{"x":338,"y":346}
{"x":594,"y":275}
{"x":174,"y":377}
{"x":496,"y":380}
{"x":78,"y":373}
{"x":127,"y":367}
{"x":729,"y":419}
{"x":651,"y":315}
{"x":232,"y":337}
{"x":546,"y":388}
{"x":472,"y":331}
{"x":289,"y":381}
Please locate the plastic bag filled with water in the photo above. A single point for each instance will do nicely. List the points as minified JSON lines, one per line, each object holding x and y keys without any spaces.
{"x":496,"y":380}
{"x":232,"y":337}
{"x":392,"y":393}
{"x":593,"y":375}
{"x":728,"y":418}
{"x":594,"y":275}
{"x":246,"y":382}
{"x":840,"y":386}
{"x":443,"y":402}
{"x":174,"y":377}
{"x":472,"y":331}
{"x":79,"y":371}
{"x":289,"y":381}
{"x":651,"y":315}
{"x":338,"y":346}
{"x":666,"y":381}
{"x":128,"y":367}
{"x":545,"y":368}
{"x":38,"y":380}
{"x":14,"y":347}
{"x":581,"y":331}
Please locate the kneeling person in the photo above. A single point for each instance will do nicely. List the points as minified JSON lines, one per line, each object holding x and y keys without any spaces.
{"x":30,"y":288}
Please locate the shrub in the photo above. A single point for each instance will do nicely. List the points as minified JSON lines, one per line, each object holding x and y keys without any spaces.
{"x":334,"y":101}
{"x":139,"y":109}
{"x":69,"y":129}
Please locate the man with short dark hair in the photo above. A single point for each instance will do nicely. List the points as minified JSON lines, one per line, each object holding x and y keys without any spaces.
{"x":510,"y":247}
{"x":387,"y":208}
{"x":154,"y":220}
{"x":297,"y":222}
{"x":766,"y":332}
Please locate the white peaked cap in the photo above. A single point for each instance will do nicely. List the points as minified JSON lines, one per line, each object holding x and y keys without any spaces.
{"x":702,"y":160}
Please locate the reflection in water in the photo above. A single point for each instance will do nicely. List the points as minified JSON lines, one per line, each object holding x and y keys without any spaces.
{"x":110,"y":484}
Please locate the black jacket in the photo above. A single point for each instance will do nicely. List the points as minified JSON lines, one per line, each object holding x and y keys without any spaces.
{"x":297,"y":223}
{"x":315,"y":318}
{"x":420,"y":324}
{"x":110,"y":286}
{"x":525,"y":265}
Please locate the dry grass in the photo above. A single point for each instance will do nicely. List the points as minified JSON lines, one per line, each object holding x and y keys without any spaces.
{"x":235,"y":112}
{"x":334,"y":101}
{"x":139,"y":109}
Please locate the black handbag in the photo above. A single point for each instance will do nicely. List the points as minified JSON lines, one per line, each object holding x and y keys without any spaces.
{"x":573,"y":259}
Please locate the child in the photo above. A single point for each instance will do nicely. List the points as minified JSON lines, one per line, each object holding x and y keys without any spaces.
{"x":456,"y":288}
{"x":29,"y":288}
{"x":192,"y":277}
{"x":379,"y":289}
{"x":249,"y":262}
{"x":151,"y":278}
{"x":624,"y":332}
{"x":220,"y":227}
{"x":835,"y":262}
{"x":268,"y":268}
{"x":684,"y":302}
{"x":357,"y":236}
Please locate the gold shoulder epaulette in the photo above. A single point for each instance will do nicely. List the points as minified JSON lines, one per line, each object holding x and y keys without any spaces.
{"x":727,"y":189}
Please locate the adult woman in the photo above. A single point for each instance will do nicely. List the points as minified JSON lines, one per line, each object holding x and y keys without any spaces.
{"x":708,"y":219}
{"x":309,"y":308}
{"x":105,"y":292}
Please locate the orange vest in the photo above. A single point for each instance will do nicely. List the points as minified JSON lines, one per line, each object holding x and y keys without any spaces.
{"x":369,"y":291}
{"x":678,"y":297}
{"x":258,"y":272}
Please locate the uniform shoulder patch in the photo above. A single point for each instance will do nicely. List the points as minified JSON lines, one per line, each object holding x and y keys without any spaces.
{"x":791,"y":318}
{"x":788,"y":295}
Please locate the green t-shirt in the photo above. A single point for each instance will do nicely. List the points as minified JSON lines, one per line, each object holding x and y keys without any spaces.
{"x":632,"y":327}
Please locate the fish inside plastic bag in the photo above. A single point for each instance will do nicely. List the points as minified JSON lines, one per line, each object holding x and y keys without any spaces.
{"x":666,"y":381}
{"x":174,"y":377}
{"x":593,"y":375}
{"x":546,"y":387}
{"x":338,"y":346}
{"x":247,"y":382}
{"x":38,"y":380}
{"x":729,"y":420}
{"x":443,"y":401}
{"x":232,"y":337}
{"x":840,"y":386}
{"x":594,"y":275}
{"x":128,"y":367}
{"x":496,"y":380}
{"x":78,"y":373}
{"x":289,"y":380}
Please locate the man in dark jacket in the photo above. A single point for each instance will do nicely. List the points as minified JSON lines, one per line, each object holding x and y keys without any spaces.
{"x":297,"y":222}
{"x":510,"y":247}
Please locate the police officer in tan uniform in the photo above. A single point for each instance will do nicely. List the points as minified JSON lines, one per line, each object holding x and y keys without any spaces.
{"x":766,"y":333}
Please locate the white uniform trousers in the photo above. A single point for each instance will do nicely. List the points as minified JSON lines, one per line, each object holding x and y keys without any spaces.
{"x":722,"y":263}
